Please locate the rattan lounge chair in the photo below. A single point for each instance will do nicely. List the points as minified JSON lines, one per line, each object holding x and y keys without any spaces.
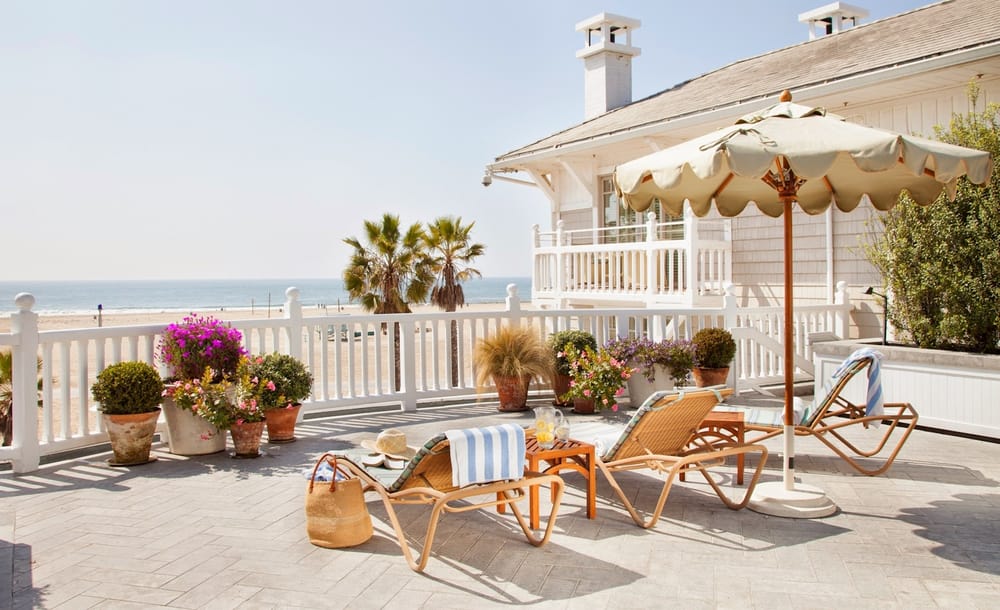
{"x":830,"y":414}
{"x":427,"y":479}
{"x":663,"y":436}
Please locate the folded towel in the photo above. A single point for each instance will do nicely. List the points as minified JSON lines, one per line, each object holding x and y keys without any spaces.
{"x":323,"y":473}
{"x":874,"y":405}
{"x":484,"y":455}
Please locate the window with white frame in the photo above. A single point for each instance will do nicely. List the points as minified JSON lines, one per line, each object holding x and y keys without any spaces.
{"x":622,"y":224}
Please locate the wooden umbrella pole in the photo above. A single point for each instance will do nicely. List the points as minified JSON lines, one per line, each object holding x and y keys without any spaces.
{"x":789,"y":435}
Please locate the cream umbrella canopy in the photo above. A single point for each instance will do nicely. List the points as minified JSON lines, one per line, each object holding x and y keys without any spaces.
{"x":788,"y":154}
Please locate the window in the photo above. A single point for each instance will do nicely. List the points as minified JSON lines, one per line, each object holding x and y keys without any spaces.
{"x":614,"y":214}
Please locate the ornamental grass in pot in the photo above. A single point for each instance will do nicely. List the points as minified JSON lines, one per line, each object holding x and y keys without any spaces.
{"x":714,"y":349}
{"x":512,"y":356}
{"x":558,"y":342}
{"x":291,"y":383}
{"x":129,"y":394}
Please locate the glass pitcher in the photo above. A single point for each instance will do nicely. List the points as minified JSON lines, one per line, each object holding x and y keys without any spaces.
{"x":550,"y":424}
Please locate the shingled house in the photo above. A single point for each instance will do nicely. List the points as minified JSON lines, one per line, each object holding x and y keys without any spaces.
{"x":908,"y":73}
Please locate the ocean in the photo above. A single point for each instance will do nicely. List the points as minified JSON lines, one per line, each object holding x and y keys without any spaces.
{"x":138,"y":296}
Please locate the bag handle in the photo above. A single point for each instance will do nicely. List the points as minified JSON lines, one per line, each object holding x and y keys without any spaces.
{"x":332,"y":459}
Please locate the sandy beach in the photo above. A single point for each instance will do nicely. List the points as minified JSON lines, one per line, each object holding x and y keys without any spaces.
{"x":64,"y":322}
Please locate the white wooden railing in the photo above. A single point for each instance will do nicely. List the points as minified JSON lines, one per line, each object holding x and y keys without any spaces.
{"x":353,"y":357}
{"x":671,"y":263}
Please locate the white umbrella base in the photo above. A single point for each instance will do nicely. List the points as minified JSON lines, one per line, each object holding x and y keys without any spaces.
{"x":803,"y":502}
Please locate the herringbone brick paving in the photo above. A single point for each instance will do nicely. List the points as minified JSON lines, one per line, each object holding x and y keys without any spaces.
{"x":216,"y":532}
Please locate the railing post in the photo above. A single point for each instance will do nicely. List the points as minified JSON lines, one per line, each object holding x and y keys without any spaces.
{"x":691,"y":268}
{"x":538,"y":262}
{"x":293,"y":313}
{"x":841,"y":323}
{"x":730,"y":315}
{"x":408,"y":366}
{"x":560,"y":262}
{"x":24,"y":361}
{"x":513,"y":304}
{"x":650,"y":258}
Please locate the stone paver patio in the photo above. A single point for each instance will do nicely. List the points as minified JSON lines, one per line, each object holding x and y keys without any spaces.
{"x":215,"y":532}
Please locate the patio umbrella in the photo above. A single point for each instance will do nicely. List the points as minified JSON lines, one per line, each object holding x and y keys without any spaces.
{"x":787,"y":154}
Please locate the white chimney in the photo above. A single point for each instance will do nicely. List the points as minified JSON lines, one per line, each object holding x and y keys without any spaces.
{"x":832,"y":18}
{"x":607,"y":61}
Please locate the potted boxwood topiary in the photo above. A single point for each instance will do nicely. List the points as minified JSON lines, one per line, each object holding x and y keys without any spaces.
{"x":129,"y":394}
{"x":292,"y":383}
{"x":714,"y":349}
{"x":512,"y":357}
{"x":580,"y":340}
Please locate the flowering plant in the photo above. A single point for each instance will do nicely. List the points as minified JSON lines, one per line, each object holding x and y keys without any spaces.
{"x":226,"y":402}
{"x":204,"y":397}
{"x":598,"y":375}
{"x":645,"y":354}
{"x":290,"y":381}
{"x":200,"y":342}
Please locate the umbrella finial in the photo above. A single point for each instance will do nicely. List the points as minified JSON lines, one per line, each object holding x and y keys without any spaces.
{"x":786,"y":96}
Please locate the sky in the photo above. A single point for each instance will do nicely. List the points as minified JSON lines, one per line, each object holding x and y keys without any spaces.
{"x":176,"y":139}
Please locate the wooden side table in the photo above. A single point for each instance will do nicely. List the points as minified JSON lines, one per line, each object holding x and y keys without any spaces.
{"x":564,"y":455}
{"x":721,"y":428}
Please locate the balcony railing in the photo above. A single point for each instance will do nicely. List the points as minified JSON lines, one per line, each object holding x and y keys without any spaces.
{"x":687,"y":263}
{"x":352,"y":358}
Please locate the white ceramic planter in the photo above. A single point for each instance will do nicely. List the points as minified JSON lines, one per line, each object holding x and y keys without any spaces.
{"x":189,"y":434}
{"x":952,"y":391}
{"x":639,"y":389}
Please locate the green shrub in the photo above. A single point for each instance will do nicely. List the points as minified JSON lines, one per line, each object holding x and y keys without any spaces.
{"x":126,"y":388}
{"x":292,"y":381}
{"x":714,"y":348}
{"x":579,"y":339}
{"x":941,"y":263}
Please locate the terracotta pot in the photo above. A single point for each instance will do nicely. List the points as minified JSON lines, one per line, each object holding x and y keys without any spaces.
{"x":583,"y":405}
{"x":560,"y":385}
{"x":131,"y":436}
{"x":706,"y":377}
{"x":189,"y":434}
{"x":281,"y":424}
{"x":513,"y":393}
{"x":246,"y":438}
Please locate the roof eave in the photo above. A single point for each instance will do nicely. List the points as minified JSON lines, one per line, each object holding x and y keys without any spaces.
{"x":854,"y":81}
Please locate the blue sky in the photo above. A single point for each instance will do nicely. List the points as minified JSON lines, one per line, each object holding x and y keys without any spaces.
{"x":246,"y":139}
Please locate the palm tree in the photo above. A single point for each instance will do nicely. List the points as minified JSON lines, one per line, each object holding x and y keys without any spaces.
{"x":389,"y":272}
{"x":448,"y":244}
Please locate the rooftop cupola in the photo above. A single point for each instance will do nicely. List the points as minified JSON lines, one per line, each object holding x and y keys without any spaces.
{"x":832,"y":18}
{"x":607,"y":61}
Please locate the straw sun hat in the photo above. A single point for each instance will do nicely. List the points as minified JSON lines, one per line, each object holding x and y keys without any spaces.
{"x":392,"y":443}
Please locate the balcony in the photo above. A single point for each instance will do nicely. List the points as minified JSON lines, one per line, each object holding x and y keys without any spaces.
{"x":678,"y":263}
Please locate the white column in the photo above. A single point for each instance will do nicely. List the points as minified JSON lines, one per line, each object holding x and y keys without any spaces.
{"x":408,"y":365}
{"x":293,"y":313}
{"x":24,"y":324}
{"x":651,"y":254}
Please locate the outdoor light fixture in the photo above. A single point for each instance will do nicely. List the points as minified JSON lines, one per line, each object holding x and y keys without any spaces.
{"x":494,"y":174}
{"x":885,"y":313}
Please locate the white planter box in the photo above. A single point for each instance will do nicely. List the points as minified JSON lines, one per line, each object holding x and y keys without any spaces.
{"x":952,"y":391}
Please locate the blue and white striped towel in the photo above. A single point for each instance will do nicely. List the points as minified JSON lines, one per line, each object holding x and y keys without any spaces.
{"x":874,"y":404}
{"x":484,"y":455}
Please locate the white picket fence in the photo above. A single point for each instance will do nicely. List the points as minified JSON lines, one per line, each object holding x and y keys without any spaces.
{"x":352,"y":357}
